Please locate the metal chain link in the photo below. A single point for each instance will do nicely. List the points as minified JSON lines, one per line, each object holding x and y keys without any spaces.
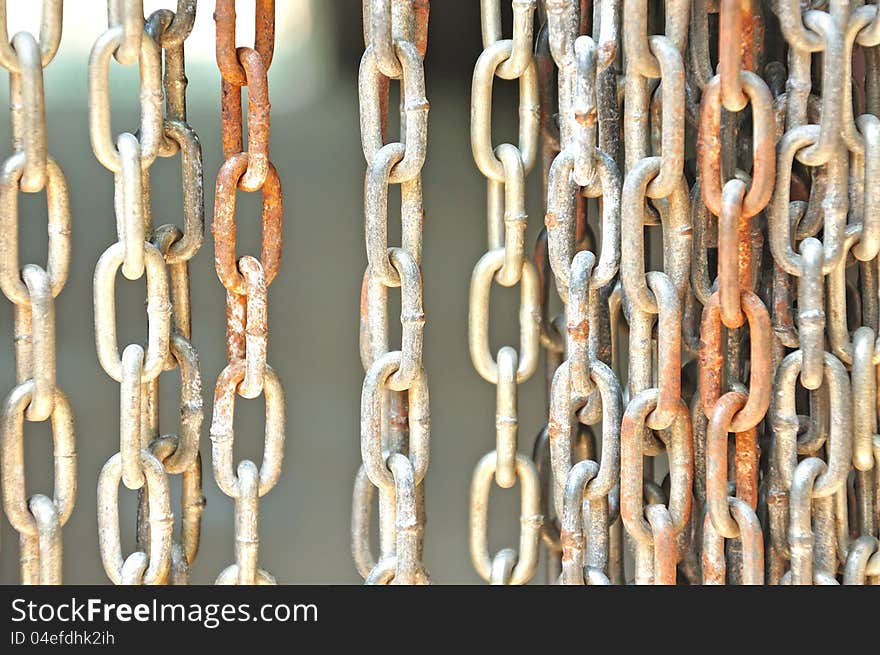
{"x":246,"y":280}
{"x":585,"y":391}
{"x":32,"y":289}
{"x":146,"y":457}
{"x":395,"y":410}
{"x":772,"y":156}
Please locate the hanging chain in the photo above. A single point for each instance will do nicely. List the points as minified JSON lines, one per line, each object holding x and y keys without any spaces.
{"x":505,"y":168}
{"x":822,"y":476}
{"x":32,"y":289}
{"x":146,"y":457}
{"x":766,"y":276}
{"x":395,"y":410}
{"x":704,"y":290}
{"x":246,"y":280}
{"x":734,"y":303}
{"x":585,"y":390}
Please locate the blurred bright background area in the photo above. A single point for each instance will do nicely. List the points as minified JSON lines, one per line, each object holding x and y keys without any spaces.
{"x":301,"y":25}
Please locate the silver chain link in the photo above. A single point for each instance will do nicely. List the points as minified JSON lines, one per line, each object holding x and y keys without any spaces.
{"x":161,"y":254}
{"x":32,"y":289}
{"x":709,"y":175}
{"x":505,"y":168}
{"x":395,"y":411}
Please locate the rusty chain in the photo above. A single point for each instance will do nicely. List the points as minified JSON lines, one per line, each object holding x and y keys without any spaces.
{"x":32,"y":290}
{"x":395,"y":410}
{"x":764,"y":275}
{"x":246,"y":279}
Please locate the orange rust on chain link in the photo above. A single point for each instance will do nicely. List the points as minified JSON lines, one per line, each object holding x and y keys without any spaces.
{"x":246,"y":279}
{"x":421,"y":9}
{"x":586,"y":16}
{"x":264,"y":38}
{"x":735,"y":50}
{"x":734,"y":253}
{"x":713,"y":563}
{"x":709,"y":150}
{"x":665,"y":547}
{"x":711,"y":360}
{"x":224,"y":227}
{"x":716,"y":462}
{"x":745,"y":466}
{"x":257,"y":119}
{"x":236,"y":315}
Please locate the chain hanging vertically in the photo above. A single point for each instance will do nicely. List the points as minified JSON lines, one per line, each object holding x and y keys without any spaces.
{"x":505,"y":168}
{"x":585,"y":390}
{"x":32,"y":289}
{"x":246,"y":280}
{"x":146,"y":457}
{"x":395,"y":411}
{"x":735,"y":199}
{"x":704,"y":289}
{"x":821,"y":476}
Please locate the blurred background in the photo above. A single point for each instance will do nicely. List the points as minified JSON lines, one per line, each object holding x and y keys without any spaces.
{"x":313,"y":310}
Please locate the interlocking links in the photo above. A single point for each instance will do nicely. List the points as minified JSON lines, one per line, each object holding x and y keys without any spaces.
{"x":395,"y":409}
{"x":821,"y":487}
{"x":655,"y":418}
{"x":18,"y":506}
{"x":246,"y":280}
{"x":813,"y":145}
{"x":585,"y":390}
{"x":586,"y":484}
{"x":711,"y":229}
{"x":736,"y":200}
{"x":505,"y":168}
{"x":654,"y":192}
{"x":656,"y":551}
{"x":161,"y":255}
{"x":149,"y":566}
{"x":524,"y":561}
{"x":800,"y":485}
{"x":32,"y":289}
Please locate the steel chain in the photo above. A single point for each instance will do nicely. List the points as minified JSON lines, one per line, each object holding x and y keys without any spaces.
{"x":717,"y":293}
{"x":505,"y":168}
{"x":395,"y":410}
{"x":711,"y":187}
{"x":32,"y":290}
{"x":161,"y":254}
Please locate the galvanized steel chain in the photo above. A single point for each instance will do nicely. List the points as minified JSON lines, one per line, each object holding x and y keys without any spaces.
{"x":146,"y":457}
{"x":824,"y":464}
{"x":32,"y":289}
{"x":395,"y":410}
{"x":505,"y":168}
{"x":246,"y":280}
